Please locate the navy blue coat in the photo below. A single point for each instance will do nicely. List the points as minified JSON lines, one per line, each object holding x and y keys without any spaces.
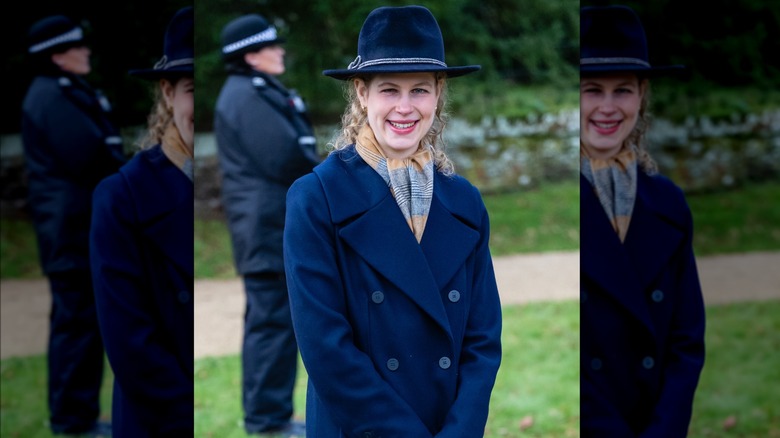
{"x":142,"y":261}
{"x":70,"y":144}
{"x":399,"y":338}
{"x":264,"y":144}
{"x":642,"y":316}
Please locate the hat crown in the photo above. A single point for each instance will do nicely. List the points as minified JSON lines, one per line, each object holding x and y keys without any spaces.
{"x":612,"y":32}
{"x":247,"y":33}
{"x":179,"y":44}
{"x":400,"y":33}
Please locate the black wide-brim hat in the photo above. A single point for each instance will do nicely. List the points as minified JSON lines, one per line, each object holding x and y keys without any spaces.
{"x":54,"y":34}
{"x":613,"y":40}
{"x":403,"y":39}
{"x":178,"y":49}
{"x":246,"y":34}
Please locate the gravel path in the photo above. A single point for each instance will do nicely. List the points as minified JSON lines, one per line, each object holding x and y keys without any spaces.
{"x":521,"y":279}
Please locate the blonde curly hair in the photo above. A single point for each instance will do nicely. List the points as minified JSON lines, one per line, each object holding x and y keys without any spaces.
{"x":355,"y":117}
{"x":158,"y":120}
{"x":637,"y":136}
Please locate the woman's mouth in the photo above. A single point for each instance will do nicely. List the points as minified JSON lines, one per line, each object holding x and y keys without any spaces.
{"x":402,"y":127}
{"x":605,"y":128}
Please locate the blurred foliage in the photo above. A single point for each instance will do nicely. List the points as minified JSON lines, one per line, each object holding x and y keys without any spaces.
{"x":517,"y":42}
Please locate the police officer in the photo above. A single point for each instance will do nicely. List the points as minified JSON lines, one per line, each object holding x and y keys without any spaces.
{"x":265,"y":142}
{"x":70,"y":144}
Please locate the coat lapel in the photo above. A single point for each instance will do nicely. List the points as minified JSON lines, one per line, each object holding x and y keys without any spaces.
{"x":165,"y":207}
{"x":604,"y":258}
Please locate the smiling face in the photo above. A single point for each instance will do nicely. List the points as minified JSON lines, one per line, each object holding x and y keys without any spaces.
{"x":74,"y":60}
{"x":180,"y":96}
{"x":269,"y":59}
{"x":609,"y":111}
{"x":400,"y":108}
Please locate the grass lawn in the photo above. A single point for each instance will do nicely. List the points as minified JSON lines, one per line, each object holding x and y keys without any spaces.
{"x":538,"y":379}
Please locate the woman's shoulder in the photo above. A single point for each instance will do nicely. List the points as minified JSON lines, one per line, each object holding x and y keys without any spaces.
{"x":665,"y":196}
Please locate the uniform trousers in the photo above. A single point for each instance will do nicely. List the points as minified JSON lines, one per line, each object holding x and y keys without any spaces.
{"x":269,"y":353}
{"x":75,"y":353}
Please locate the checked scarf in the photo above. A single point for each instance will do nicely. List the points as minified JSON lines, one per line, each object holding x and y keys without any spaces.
{"x":614,"y":181}
{"x":410,"y":180}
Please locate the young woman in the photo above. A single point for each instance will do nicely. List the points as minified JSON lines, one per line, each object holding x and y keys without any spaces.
{"x":642,"y":313}
{"x":392,"y":290}
{"x":142,"y":257}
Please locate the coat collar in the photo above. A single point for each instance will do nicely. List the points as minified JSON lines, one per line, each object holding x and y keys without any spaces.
{"x":164,"y":204}
{"x":369,"y":221}
{"x":625,"y":270}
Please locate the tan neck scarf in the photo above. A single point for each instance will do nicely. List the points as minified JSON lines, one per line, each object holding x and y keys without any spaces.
{"x":173,"y":147}
{"x":614,"y":180}
{"x":410,"y":179}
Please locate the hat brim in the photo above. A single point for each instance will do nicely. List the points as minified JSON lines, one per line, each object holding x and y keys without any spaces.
{"x":666,"y":70}
{"x":154,"y":74}
{"x":452,"y":72}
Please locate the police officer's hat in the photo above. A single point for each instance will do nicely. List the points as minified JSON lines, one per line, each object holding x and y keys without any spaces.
{"x":54,"y":34}
{"x":245,"y":34}
{"x":178,"y":49}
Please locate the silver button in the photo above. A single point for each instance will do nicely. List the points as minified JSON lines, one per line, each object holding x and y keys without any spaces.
{"x":454,"y":296}
{"x":184,"y":296}
{"x":377,"y":297}
{"x":392,"y":364}
{"x":648,"y":362}
{"x":445,"y":362}
{"x":595,"y":364}
{"x":657,"y":296}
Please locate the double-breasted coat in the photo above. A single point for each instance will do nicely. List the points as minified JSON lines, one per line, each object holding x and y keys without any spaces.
{"x":265,"y":142}
{"x":70,"y":144}
{"x":142,"y":265}
{"x":642,"y":316}
{"x":399,"y":338}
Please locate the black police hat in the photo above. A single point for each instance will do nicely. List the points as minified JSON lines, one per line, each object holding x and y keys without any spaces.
{"x":400,"y":40}
{"x":248,"y":33}
{"x":612,"y":39}
{"x":178,"y":51}
{"x":54,"y":34}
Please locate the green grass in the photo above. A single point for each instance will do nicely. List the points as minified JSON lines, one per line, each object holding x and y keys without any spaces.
{"x":740,"y":220}
{"x":541,"y":219}
{"x":539,"y":378}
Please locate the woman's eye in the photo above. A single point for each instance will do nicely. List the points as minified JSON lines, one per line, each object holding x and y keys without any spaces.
{"x":419,"y":91}
{"x":387,"y":90}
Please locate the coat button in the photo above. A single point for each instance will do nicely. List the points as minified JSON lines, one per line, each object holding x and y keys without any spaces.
{"x":657,"y":296}
{"x":583,"y":296}
{"x":454,"y":296}
{"x":595,"y":364}
{"x":445,"y":362}
{"x":648,"y":362}
{"x":392,"y":364}
{"x":184,"y":297}
{"x":377,"y":297}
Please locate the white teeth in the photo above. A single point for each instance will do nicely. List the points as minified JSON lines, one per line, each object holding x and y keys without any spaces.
{"x":402,"y":125}
{"x":605,"y":125}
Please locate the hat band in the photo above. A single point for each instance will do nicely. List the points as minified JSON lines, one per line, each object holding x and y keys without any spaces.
{"x":73,"y":35}
{"x":164,"y":64}
{"x":358,"y":63}
{"x":262,"y":37}
{"x":616,"y":60}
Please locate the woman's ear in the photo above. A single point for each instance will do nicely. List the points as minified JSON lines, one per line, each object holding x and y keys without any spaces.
{"x":168,"y":91}
{"x":361,"y":90}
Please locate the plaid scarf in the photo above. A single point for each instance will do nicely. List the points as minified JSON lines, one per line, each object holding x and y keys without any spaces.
{"x":410,"y":179}
{"x":614,"y":182}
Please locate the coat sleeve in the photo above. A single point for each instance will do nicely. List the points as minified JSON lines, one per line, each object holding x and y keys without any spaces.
{"x":685,"y":356}
{"x":145,"y":369}
{"x":358,"y":400}
{"x":481,"y":354}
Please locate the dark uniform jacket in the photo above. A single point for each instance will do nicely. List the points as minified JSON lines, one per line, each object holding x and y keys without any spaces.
{"x":142,"y":261}
{"x":70,"y":144}
{"x":265,"y":143}
{"x":399,"y":338}
{"x":642,"y":326}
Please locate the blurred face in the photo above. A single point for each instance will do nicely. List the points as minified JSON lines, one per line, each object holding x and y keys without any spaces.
{"x":269,"y":59}
{"x":181,"y":96}
{"x":401,"y":108}
{"x":74,"y":60}
{"x":609,"y":110}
